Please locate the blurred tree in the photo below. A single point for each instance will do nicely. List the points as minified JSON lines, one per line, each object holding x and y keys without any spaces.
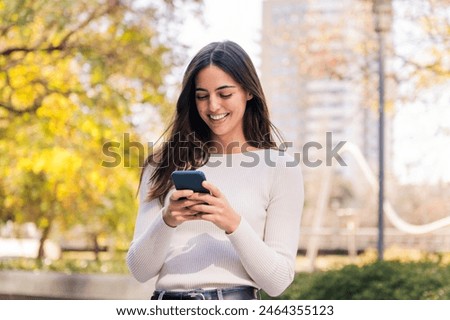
{"x":345,"y":48}
{"x":424,"y":44}
{"x":70,"y":74}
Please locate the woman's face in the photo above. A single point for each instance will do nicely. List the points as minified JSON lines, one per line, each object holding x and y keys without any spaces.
{"x":221,"y":103}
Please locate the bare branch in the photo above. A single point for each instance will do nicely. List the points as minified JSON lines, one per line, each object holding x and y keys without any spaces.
{"x":96,"y":13}
{"x":37,"y":103}
{"x":432,"y":67}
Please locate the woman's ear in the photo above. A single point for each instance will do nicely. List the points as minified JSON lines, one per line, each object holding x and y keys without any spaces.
{"x":249,"y":96}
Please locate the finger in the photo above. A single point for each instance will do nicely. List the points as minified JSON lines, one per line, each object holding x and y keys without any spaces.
{"x":193,"y":217}
{"x":178,"y":194}
{"x":190,"y":202}
{"x":212,"y":188}
{"x":183,"y":209}
{"x":184,"y":206}
{"x":201,"y":198}
{"x":206,"y":217}
{"x":184,"y":213}
{"x":190,"y":213}
{"x":180,"y":205}
{"x":204,"y":208}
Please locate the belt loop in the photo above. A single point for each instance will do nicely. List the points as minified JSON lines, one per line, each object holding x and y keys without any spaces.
{"x":161,"y":294}
{"x":219,"y":294}
{"x":197,"y":293}
{"x":257,"y":294}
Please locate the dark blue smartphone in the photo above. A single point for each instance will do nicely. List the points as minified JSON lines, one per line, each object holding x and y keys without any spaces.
{"x":191,"y":180}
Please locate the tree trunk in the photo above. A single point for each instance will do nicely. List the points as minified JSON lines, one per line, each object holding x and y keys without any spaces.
{"x":44,"y":237}
{"x":96,"y":247}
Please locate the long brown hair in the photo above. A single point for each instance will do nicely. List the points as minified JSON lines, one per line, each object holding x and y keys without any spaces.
{"x":186,"y":147}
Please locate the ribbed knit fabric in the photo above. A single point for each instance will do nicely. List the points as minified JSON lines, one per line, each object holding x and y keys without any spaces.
{"x":266,"y":188}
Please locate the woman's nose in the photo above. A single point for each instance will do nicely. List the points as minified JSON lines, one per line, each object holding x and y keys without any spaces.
{"x":214,"y":104}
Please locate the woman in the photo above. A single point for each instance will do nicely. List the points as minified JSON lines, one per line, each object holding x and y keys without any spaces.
{"x":243,"y":235}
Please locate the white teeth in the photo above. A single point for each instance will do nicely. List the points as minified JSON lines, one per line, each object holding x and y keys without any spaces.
{"x":218,"y":116}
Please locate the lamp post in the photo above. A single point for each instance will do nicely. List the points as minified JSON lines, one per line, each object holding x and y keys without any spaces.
{"x":382,"y":10}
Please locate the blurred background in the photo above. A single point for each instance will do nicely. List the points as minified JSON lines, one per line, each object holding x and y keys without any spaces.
{"x":87,"y":87}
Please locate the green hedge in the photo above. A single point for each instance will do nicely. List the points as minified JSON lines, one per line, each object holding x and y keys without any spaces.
{"x":392,"y":280}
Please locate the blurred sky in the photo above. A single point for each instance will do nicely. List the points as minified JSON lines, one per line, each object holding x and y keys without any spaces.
{"x":236,"y":20}
{"x":421,"y":130}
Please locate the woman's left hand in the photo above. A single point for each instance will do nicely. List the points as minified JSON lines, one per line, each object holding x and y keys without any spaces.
{"x":215,"y":209}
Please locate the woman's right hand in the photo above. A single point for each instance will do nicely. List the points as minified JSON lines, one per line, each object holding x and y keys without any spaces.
{"x":178,"y":210}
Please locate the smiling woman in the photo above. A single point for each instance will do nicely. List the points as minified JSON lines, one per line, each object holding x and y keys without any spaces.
{"x":242,"y":236}
{"x":221,"y":103}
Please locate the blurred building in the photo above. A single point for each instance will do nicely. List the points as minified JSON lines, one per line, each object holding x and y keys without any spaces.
{"x":319,"y":72}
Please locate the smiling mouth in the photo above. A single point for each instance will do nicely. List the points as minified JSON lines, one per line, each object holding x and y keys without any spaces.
{"x":217,"y":117}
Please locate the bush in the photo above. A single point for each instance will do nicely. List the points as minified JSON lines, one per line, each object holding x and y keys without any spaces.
{"x":392,"y":280}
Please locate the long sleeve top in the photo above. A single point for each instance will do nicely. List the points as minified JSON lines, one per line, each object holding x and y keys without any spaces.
{"x":265,"y":187}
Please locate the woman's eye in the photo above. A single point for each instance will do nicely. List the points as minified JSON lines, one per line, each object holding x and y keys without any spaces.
{"x":202,"y":97}
{"x":225,"y":96}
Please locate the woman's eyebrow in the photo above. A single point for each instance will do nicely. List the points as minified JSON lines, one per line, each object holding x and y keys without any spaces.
{"x":225,"y":87}
{"x":219,"y":88}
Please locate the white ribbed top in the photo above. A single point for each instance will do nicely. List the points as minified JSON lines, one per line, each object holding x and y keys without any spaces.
{"x":266,"y":188}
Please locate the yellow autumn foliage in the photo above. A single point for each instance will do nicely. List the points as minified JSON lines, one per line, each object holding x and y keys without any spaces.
{"x":70,"y":73}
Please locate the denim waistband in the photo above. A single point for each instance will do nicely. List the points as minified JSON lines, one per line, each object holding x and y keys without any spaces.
{"x":232,"y":293}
